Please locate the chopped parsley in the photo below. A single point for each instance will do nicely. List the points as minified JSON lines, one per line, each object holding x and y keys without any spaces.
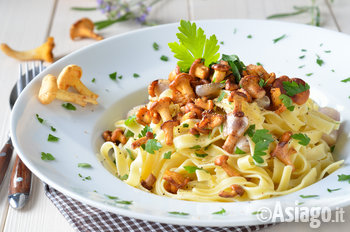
{"x":333,"y":190}
{"x":239,"y":151}
{"x":124,"y":202}
{"x":52,"y":138}
{"x":192,"y":169}
{"x":84,"y":165}
{"x":303,"y":138}
{"x":287,"y":101}
{"x":332,"y":148}
{"x":113,"y":76}
{"x":302,"y":57}
{"x":42,"y":120}
{"x":262,"y":82}
{"x":279,"y":38}
{"x":327,"y":51}
{"x":250,"y":131}
{"x":220,"y":212}
{"x":301,"y":66}
{"x":319,"y":61}
{"x":256,"y":212}
{"x":308,"y":196}
{"x":93,"y":80}
{"x":259,"y":64}
{"x":144,"y":131}
{"x":124,"y":177}
{"x":309,"y":74}
{"x":129,"y":134}
{"x":346,"y":80}
{"x":196,"y":147}
{"x":249,"y":36}
{"x":344,"y":177}
{"x":135,"y":75}
{"x":155,"y":46}
{"x":201,"y":155}
{"x":303,"y":50}
{"x":130,"y":154}
{"x":236,"y":65}
{"x":222,"y":95}
{"x":52,"y":128}
{"x":197,"y":135}
{"x":84,"y":178}
{"x":167,"y":155}
{"x":120,"y":77}
{"x":47,"y":156}
{"x":152,"y":145}
{"x":164,"y":58}
{"x":293,"y":88}
{"x":194,"y":44}
{"x":262,"y":140}
{"x":178,"y":213}
{"x":130,"y":121}
{"x":222,"y":42}
{"x":185,"y":125}
{"x":111,"y":197}
{"x":68,"y":106}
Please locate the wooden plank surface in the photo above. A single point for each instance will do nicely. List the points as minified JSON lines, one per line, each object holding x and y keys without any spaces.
{"x":25,"y":24}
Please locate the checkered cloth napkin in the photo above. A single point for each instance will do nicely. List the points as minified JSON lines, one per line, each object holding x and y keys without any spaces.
{"x":86,"y":218}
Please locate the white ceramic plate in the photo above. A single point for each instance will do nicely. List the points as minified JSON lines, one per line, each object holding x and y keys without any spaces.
{"x":80,"y":131}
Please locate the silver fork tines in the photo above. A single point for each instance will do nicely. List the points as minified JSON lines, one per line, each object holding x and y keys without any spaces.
{"x":35,"y":70}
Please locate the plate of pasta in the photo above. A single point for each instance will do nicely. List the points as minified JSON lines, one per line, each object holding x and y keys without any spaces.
{"x":202,"y":123}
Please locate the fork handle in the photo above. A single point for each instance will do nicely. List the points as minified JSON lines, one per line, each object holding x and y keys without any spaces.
{"x":20,"y":184}
{"x":5,"y":157}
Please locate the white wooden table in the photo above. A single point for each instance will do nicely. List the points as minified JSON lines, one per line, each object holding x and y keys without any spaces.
{"x":25,"y":24}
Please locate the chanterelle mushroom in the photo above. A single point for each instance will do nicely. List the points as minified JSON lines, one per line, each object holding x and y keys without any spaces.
{"x":183,"y":85}
{"x":282,"y":152}
{"x":70,"y":76}
{"x":222,"y":162}
{"x":235,"y":190}
{"x":116,"y":135}
{"x":44,"y":52}
{"x":220,"y":72}
{"x":137,"y":143}
{"x":49,"y":91}
{"x":162,"y":107}
{"x":157,"y":87}
{"x":168,"y":128}
{"x":84,"y":28}
{"x":174,"y":181}
{"x":235,"y":125}
{"x":251,"y":84}
{"x":258,"y":70}
{"x":198,"y":69}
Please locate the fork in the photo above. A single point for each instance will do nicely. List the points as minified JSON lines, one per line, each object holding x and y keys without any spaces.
{"x":21,"y":176}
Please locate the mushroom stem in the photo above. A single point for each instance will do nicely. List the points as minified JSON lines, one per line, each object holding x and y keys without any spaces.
{"x":168,"y":128}
{"x":49,"y":91}
{"x":43,"y":52}
{"x":222,"y":162}
{"x":282,"y":152}
{"x":148,"y":183}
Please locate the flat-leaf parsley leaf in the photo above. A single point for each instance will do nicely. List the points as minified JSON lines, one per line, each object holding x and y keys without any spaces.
{"x":303,"y":138}
{"x":68,"y":106}
{"x":152,"y":145}
{"x":193,"y":44}
{"x":47,"y":156}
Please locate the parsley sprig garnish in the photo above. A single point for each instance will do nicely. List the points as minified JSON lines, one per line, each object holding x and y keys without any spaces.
{"x":192,"y":169}
{"x":193,"y":44}
{"x":52,"y":138}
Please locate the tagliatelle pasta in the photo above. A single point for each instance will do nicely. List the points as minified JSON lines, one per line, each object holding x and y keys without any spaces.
{"x":227,"y":132}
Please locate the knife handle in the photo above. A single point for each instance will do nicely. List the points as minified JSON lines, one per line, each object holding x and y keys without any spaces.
{"x":5,"y":157}
{"x":20,"y":184}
